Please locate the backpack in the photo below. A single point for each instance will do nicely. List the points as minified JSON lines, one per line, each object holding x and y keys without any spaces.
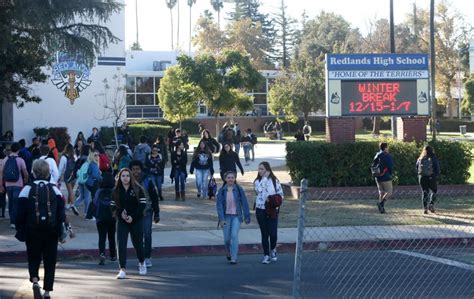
{"x":83,"y":173}
{"x":43,"y":216}
{"x":139,"y":153}
{"x":306,"y":130}
{"x":212,"y":188}
{"x":11,"y":172}
{"x":377,"y":168}
{"x":253,"y":139}
{"x":103,"y":212}
{"x":104,"y":162}
{"x":425,"y":167}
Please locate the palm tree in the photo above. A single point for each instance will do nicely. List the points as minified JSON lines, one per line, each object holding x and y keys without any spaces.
{"x":217,"y":5}
{"x":190,"y":3}
{"x":171,"y":4}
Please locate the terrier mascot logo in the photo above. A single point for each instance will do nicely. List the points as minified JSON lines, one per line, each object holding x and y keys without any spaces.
{"x":70,"y":75}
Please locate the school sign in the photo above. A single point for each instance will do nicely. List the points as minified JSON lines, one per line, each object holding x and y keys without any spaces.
{"x":377,"y":85}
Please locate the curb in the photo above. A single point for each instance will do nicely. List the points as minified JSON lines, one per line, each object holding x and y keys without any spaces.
{"x":206,"y":250}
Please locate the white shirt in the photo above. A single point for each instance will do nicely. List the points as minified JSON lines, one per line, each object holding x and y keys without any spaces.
{"x":53,"y":169}
{"x":264,"y":188}
{"x":62,"y":165}
{"x":26,"y":190}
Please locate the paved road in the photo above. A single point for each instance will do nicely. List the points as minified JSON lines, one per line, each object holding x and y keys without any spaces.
{"x":372,"y":274}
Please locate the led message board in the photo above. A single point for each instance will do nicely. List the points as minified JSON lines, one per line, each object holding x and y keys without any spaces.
{"x":377,"y":84}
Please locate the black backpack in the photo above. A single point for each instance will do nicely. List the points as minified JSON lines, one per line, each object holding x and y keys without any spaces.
{"x":11,"y":172}
{"x":253,"y":138}
{"x":377,"y":166}
{"x":43,"y":215}
{"x":103,"y":211}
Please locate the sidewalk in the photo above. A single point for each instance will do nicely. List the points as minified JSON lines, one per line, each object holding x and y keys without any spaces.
{"x":209,"y":242}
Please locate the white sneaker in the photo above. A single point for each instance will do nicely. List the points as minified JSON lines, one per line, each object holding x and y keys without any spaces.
{"x":266,"y":260}
{"x":141,"y":269}
{"x":121,"y":275}
{"x":148,"y":263}
{"x":273,"y":255}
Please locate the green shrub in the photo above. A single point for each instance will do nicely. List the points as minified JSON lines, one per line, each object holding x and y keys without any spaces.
{"x":60,"y":135}
{"x":106,"y":135}
{"x":452,"y":125}
{"x":151,"y":131}
{"x":340,"y":165}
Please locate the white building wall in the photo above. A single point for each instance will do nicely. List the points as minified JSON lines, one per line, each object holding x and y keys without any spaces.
{"x":56,"y":111}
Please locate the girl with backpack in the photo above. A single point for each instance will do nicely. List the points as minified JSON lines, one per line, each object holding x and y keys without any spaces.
{"x":427,"y":167}
{"x":122,"y":158}
{"x":202,"y":162}
{"x":154,"y":168}
{"x":266,"y":187}
{"x":104,"y":161}
{"x":94,"y":177}
{"x":179,"y":159}
{"x":66,"y":169}
{"x":82,"y":194}
{"x":129,"y":203}
{"x":104,"y":221}
{"x":232,"y":209}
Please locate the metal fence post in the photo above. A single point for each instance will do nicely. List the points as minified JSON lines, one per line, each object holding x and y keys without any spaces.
{"x":299,"y":241}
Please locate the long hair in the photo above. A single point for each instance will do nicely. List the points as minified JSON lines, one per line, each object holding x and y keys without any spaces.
{"x":427,"y":152}
{"x":119,"y":186}
{"x":209,"y":136}
{"x":68,"y":151}
{"x":197,"y":150}
{"x":267,"y":167}
{"x":223,"y":152}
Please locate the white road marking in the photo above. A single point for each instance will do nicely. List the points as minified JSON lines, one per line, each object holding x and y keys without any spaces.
{"x":436,"y":259}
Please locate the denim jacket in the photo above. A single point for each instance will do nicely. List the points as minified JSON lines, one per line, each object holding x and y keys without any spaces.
{"x":241,"y":203}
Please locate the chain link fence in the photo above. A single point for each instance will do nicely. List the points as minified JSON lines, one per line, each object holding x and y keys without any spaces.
{"x":347,"y":249}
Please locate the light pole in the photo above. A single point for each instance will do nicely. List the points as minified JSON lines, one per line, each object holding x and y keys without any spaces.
{"x":433,"y":69}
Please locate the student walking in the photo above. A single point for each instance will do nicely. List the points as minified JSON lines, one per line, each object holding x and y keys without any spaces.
{"x":229,"y":161}
{"x":105,"y":222}
{"x":41,"y":215}
{"x":307,"y":130}
{"x":232,"y":209}
{"x":141,"y":150}
{"x":211,"y":143}
{"x":427,"y":167}
{"x":254,"y":142}
{"x":155,"y":169}
{"x":152,"y":210}
{"x":246,"y":142}
{"x":179,"y":159}
{"x":267,"y":204}
{"x":383,"y":164}
{"x":66,"y":169}
{"x":202,"y":162}
{"x":82,"y":194}
{"x":122,"y":158}
{"x":53,"y":167}
{"x":128,"y":203}
{"x":94,"y":177}
{"x":14,"y":175}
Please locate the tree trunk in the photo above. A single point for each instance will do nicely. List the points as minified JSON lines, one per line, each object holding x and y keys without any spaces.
{"x":177,"y":27}
{"x":217,"y":125}
{"x":172,"y":31}
{"x":376,"y":127}
{"x":115,"y":134}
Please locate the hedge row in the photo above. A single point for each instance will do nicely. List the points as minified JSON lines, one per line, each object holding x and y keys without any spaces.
{"x":151,"y":131}
{"x":340,"y":165}
{"x":452,"y":125}
{"x":60,"y":135}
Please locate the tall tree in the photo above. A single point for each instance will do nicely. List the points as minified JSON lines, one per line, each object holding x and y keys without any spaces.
{"x":32,"y":31}
{"x":218,"y":5}
{"x":209,"y":38}
{"x":250,"y":9}
{"x":284,"y":37}
{"x":247,"y":37}
{"x":171,"y":4}
{"x":224,"y":80}
{"x":178,"y":99}
{"x":468,"y":102}
{"x":450,"y":35}
{"x":190,"y":4}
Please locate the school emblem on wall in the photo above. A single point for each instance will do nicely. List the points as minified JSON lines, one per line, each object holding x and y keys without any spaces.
{"x":70,"y":75}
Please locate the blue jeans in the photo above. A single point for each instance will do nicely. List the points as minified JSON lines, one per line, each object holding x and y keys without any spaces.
{"x":268,"y":230}
{"x":179,"y":180}
{"x":231,"y":235}
{"x":237,"y":148}
{"x":202,"y":176}
{"x":147,"y":223}
{"x":12,"y":193}
{"x":157,"y":180}
{"x":84,"y":197}
{"x":247,"y":149}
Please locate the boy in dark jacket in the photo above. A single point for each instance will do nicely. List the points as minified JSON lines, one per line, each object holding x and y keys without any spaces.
{"x":384,"y":180}
{"x":179,"y":159}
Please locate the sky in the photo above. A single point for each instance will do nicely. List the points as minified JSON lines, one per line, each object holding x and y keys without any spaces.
{"x":155,"y":28}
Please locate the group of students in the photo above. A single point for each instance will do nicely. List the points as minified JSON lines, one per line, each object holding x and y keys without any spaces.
{"x":426,"y":167}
